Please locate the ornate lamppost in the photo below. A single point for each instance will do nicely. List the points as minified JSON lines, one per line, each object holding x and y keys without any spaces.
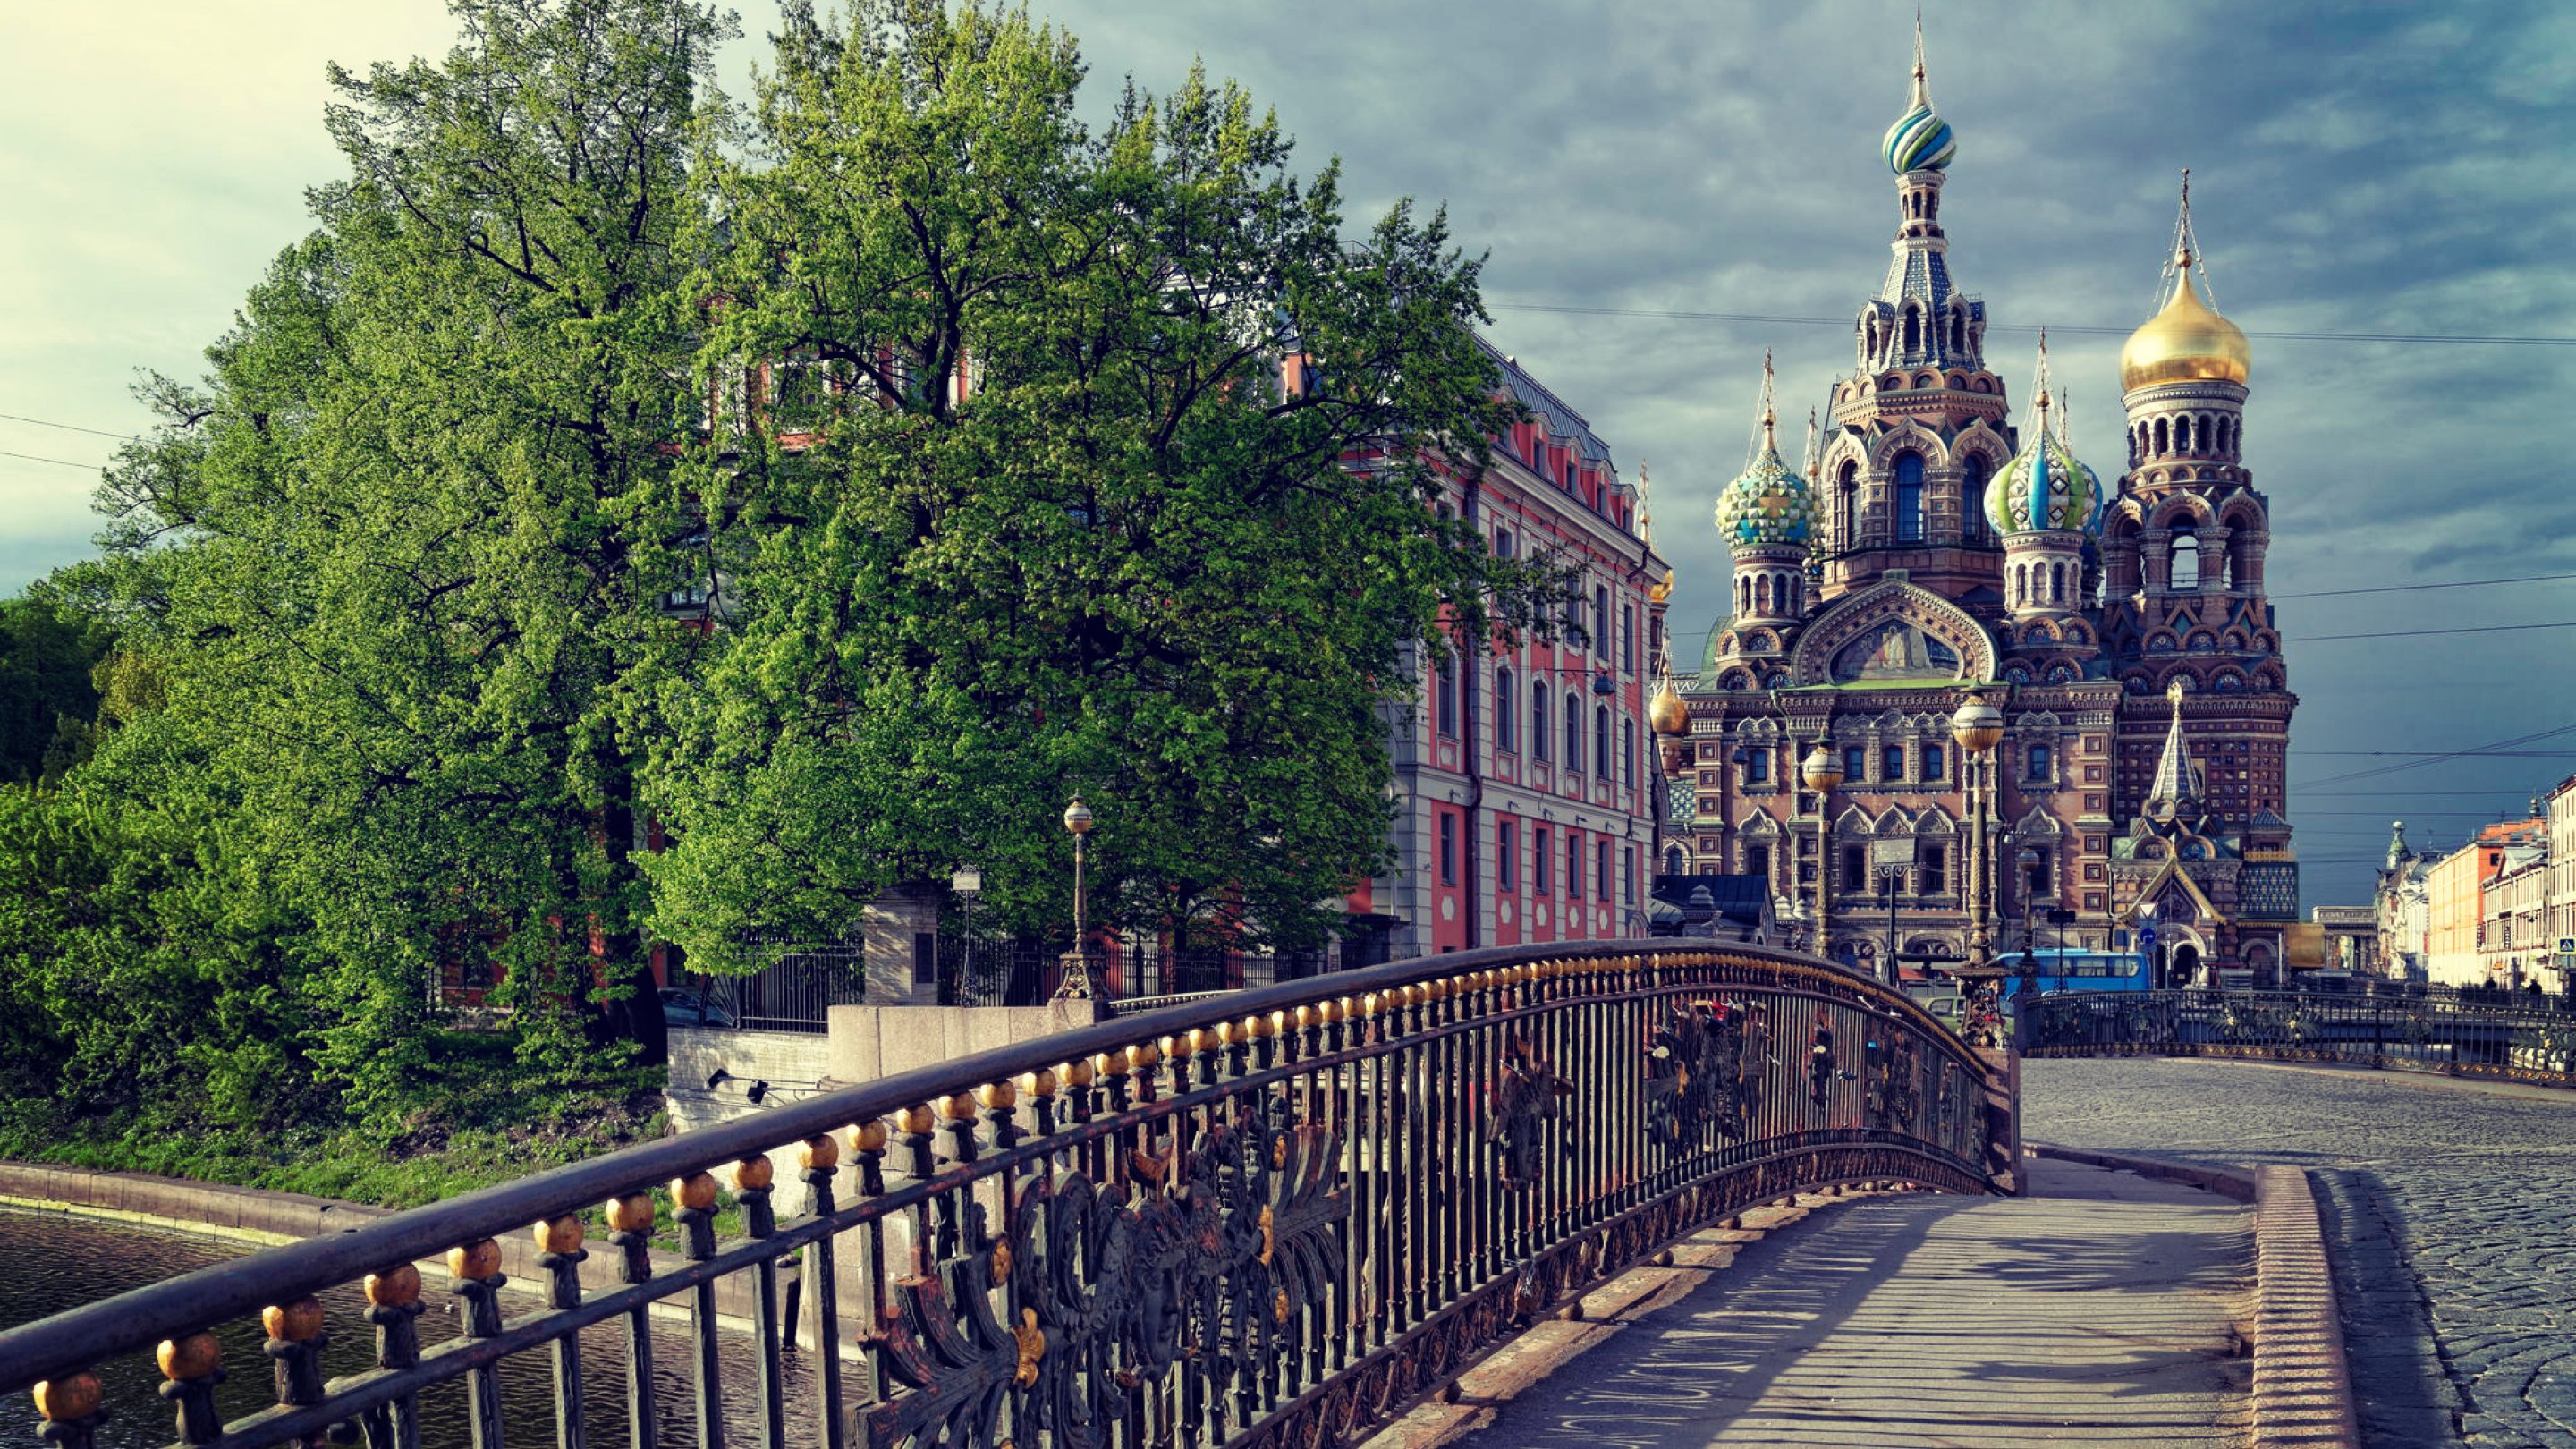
{"x":1079,"y":982}
{"x":1823,"y":773}
{"x":968,"y":883}
{"x":1978,"y":727}
{"x":2028,"y":859}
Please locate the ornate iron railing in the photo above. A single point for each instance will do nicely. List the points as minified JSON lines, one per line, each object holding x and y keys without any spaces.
{"x":1273,"y":1216}
{"x":2455,"y":1035}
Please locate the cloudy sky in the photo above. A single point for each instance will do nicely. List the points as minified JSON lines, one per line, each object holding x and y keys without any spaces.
{"x":2376,"y":169}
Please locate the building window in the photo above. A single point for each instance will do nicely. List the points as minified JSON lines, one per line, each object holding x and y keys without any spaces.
{"x":1847,"y":507}
{"x":1757,"y":766}
{"x":1573,"y":865}
{"x":1909,"y":497}
{"x":1855,"y":868}
{"x":1855,"y":764}
{"x":1542,"y":864}
{"x":2039,"y":875}
{"x":1601,"y":740}
{"x":1601,"y":622}
{"x":2186,"y":562}
{"x":1539,"y":734}
{"x":1573,"y":733}
{"x":1574,"y":635}
{"x":1932,"y":762}
{"x":1507,"y":871}
{"x":1503,"y":543}
{"x":1628,"y":753}
{"x":1506,"y":715}
{"x":1757,"y":861}
{"x":1628,"y":638}
{"x":1445,"y":695}
{"x":1935,"y":871}
{"x":1628,"y":876}
{"x":2039,"y":762}
{"x":1601,"y":872}
{"x":1972,"y":498}
{"x":1891,"y":762}
{"x":1448,"y":848}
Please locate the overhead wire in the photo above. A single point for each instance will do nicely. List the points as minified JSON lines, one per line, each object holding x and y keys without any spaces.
{"x":1565,"y":309}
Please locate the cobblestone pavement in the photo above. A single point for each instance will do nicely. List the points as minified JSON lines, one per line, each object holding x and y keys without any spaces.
{"x":2451,"y":1207}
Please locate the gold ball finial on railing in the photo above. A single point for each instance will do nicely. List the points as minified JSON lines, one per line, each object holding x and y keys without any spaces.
{"x":73,"y":1396}
{"x":476,"y":1260}
{"x":1079,"y":1074}
{"x":392,"y":1288}
{"x":754,"y":1173}
{"x":695,"y":1192}
{"x":300,"y":1320}
{"x":960,"y":1107}
{"x":998,"y":1096}
{"x":819,"y":1153}
{"x":630,"y":1212}
{"x":869,"y":1136}
{"x":200,"y":1354}
{"x":1041,"y":1084}
{"x":558,"y":1235}
{"x":918,"y":1119}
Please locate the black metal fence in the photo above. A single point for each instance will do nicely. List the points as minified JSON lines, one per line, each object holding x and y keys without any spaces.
{"x":2470,"y":1034}
{"x":1271,"y":1217}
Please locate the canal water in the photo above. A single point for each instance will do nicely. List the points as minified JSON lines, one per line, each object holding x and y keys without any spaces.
{"x":55,"y":1261}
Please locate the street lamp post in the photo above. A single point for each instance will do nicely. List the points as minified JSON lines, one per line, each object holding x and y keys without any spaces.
{"x":1978,"y":727}
{"x":1890,"y":972}
{"x":2029,"y":862}
{"x":968,"y":883}
{"x":1078,"y":983}
{"x":1823,"y":773}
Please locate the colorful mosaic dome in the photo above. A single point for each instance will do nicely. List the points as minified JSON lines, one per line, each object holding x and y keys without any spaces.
{"x":1919,"y":141}
{"x":2045,"y":487}
{"x":1767,"y":505}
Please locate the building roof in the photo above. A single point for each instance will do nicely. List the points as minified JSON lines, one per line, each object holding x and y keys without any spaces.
{"x":1562,"y":421}
{"x":1741,"y":898}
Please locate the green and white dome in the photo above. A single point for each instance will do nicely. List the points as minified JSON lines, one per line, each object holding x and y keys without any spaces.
{"x":2045,"y":488}
{"x":1767,"y":505}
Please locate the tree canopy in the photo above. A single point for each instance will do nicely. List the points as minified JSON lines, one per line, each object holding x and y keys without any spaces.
{"x":630,"y":516}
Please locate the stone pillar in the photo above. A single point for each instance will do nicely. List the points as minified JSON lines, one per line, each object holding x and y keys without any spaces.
{"x":902,"y":945}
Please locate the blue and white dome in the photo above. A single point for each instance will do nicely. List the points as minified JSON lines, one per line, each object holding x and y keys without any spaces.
{"x":1920,"y":140}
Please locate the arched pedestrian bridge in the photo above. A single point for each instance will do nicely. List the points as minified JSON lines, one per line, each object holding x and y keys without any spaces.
{"x":1272,"y":1216}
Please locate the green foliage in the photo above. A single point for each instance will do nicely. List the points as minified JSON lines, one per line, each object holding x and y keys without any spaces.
{"x":1019,"y":459}
{"x":1045,"y":518}
{"x":47,"y":699}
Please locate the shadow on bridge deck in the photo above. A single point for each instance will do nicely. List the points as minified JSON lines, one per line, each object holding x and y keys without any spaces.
{"x":2097,"y":1310}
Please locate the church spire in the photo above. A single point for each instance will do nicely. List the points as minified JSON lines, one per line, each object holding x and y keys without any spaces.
{"x":2177,"y":778}
{"x":1922,"y":90}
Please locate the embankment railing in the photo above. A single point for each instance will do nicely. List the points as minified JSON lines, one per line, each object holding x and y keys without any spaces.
{"x":1273,"y":1216}
{"x":2455,"y":1035}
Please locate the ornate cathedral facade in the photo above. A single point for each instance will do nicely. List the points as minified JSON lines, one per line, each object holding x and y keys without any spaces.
{"x":1927,"y":549}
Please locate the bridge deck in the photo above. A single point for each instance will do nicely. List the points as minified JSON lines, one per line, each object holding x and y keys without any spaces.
{"x":2098,"y":1310}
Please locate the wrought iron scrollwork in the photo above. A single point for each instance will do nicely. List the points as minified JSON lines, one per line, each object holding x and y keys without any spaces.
{"x":1705,"y":1069}
{"x":1528,"y":1103}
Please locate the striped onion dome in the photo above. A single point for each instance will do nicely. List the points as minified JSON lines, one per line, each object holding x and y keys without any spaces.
{"x":1920,"y":140}
{"x":2045,"y":487}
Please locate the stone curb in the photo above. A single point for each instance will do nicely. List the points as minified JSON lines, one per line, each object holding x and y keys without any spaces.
{"x":2302,"y":1392}
{"x":2231,"y":1183}
{"x":2302,"y":1383}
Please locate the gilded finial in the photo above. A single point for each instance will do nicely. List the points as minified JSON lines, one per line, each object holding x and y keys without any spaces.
{"x":1922,"y":88}
{"x":1812,"y":465}
{"x":1645,"y":505}
{"x":2039,"y":380}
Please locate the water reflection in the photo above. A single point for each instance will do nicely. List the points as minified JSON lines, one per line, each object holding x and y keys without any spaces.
{"x":57,"y":1262}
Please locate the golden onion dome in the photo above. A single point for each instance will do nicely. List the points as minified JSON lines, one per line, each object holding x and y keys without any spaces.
{"x":2186,"y":342}
{"x":1665,"y":713}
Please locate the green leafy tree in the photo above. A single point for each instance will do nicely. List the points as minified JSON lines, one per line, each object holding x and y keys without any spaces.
{"x":392,"y":560}
{"x":47,"y":699}
{"x":1052,"y":461}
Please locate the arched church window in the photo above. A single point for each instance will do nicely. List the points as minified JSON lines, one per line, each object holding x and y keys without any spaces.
{"x":1972,"y":498}
{"x":1913,"y":331}
{"x":2057,"y":583}
{"x":1762,"y":595}
{"x":1959,"y":332}
{"x":1909,"y":497}
{"x":1846,"y":505}
{"x":2161,"y":434}
{"x":2182,"y":435}
{"x":2186,"y":563}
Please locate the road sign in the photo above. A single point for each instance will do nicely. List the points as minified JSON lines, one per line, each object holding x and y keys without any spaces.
{"x":2146,"y":935}
{"x":2060,"y":916}
{"x":1891,"y":854}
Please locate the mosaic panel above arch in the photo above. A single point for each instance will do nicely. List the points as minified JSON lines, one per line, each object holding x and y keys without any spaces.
{"x":1892,"y":633}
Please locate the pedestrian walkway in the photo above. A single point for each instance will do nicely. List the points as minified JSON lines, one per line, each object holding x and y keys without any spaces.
{"x":2097,"y":1310}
